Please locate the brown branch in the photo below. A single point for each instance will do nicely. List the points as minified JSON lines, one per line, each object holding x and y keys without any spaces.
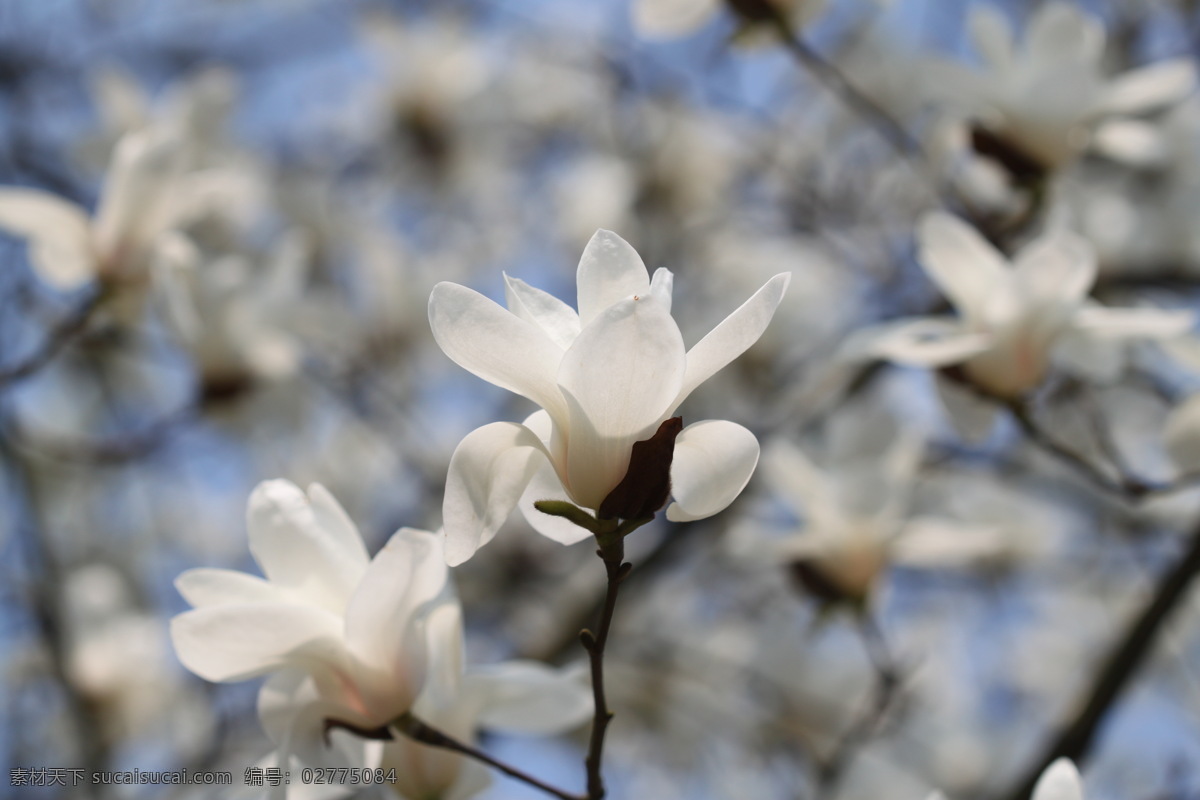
{"x":1126,"y":657}
{"x":67,"y":329}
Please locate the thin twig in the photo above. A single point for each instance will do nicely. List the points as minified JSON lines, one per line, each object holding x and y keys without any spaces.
{"x":66,"y":330}
{"x":420,"y":731}
{"x":1076,"y":739}
{"x":616,"y":568}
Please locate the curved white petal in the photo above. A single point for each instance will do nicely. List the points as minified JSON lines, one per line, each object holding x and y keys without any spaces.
{"x":1060,"y":781}
{"x":960,"y":261}
{"x":382,"y":627}
{"x":57,"y":231}
{"x":1130,"y":141}
{"x":992,"y":35}
{"x":1132,"y":323}
{"x":296,"y":551}
{"x":619,"y":378}
{"x":1150,"y":87}
{"x":557,"y":319}
{"x":335,"y":522}
{"x":494,"y":344}
{"x":733,"y":336}
{"x":799,"y":483}
{"x":488,"y":473}
{"x":927,"y":342}
{"x":610,"y":270}
{"x":664,"y":18}
{"x":713,"y":462}
{"x":1056,"y":270}
{"x":662,"y":285}
{"x":528,"y":697}
{"x":216,"y":587}
{"x":1061,"y":32}
{"x":238,"y":641}
{"x":137,"y":203}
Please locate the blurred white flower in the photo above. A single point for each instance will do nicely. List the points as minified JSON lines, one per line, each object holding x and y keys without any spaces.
{"x":606,"y":377}
{"x":234,"y":318}
{"x":856,"y":518}
{"x":1059,"y":781}
{"x":139,"y":209}
{"x":668,"y":18}
{"x":1015,"y":316}
{"x":341,"y":632}
{"x":1038,"y":107}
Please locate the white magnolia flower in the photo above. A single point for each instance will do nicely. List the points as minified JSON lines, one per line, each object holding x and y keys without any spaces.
{"x":668,"y":18}
{"x":606,"y":377}
{"x":522,"y":697}
{"x":139,"y":206}
{"x":342,"y":631}
{"x":1015,"y":316}
{"x":1049,"y":99}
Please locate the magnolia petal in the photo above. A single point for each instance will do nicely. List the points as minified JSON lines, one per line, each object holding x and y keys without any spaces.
{"x":713,"y":462}
{"x":1132,"y":323}
{"x":545,"y":485}
{"x":1060,"y":781}
{"x":494,"y":344}
{"x":960,"y":261}
{"x":296,"y":551}
{"x":1061,"y":32}
{"x":528,"y":697}
{"x":238,"y":641}
{"x":619,"y":379}
{"x":557,"y":319}
{"x":488,"y":473}
{"x":927,"y":342}
{"x":610,"y":270}
{"x":939,"y":543}
{"x":733,"y":336}
{"x":216,"y":587}
{"x":136,"y":203}
{"x":992,"y":36}
{"x":800,"y":484}
{"x":1182,"y":435}
{"x":334,"y":520}
{"x":58,"y":233}
{"x":1056,"y":270}
{"x":1130,"y":141}
{"x":667,"y":18}
{"x":662,"y":285}
{"x":293,"y":714}
{"x":382,"y":620}
{"x":1150,"y":87}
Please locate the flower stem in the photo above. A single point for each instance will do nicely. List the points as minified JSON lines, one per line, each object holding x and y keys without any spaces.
{"x":421,"y":731}
{"x":613,"y":554}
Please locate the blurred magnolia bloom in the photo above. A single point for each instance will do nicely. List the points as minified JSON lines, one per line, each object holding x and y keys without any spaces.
{"x":233,"y":317}
{"x":120,"y":244}
{"x":1039,"y":106}
{"x":521,"y":697}
{"x":856,"y":518}
{"x":198,"y":106}
{"x":1015,"y":316}
{"x":607,"y":376}
{"x":669,"y":18}
{"x":118,"y":658}
{"x":343,"y":637}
